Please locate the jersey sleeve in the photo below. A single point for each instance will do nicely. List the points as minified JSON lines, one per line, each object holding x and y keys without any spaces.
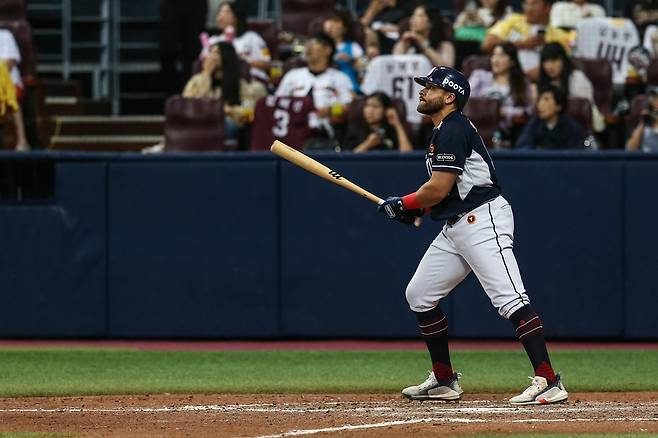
{"x":344,"y":89}
{"x":285,"y":87}
{"x":449,"y":144}
{"x":259,"y":49}
{"x":8,"y":47}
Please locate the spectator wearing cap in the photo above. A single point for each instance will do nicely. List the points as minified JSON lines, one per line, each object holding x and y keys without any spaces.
{"x":550,"y":128}
{"x":567,"y":14}
{"x":528,"y":32}
{"x":249,"y":45}
{"x":331,"y":89}
{"x":426,"y":36}
{"x":645,"y":135}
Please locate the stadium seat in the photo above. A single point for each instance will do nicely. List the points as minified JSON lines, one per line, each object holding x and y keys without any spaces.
{"x":281,"y":118}
{"x":599,"y":72}
{"x":266,"y":28}
{"x":474,"y":62}
{"x":297,"y":14}
{"x":652,"y":72}
{"x":12,"y":10}
{"x":580,"y":109}
{"x":194,"y":124}
{"x":484,"y":112}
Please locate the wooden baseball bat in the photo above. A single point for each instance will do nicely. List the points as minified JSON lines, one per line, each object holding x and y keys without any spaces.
{"x":309,"y":164}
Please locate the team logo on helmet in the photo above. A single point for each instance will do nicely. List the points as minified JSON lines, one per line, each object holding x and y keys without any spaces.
{"x":470,"y":219}
{"x":449,"y":83}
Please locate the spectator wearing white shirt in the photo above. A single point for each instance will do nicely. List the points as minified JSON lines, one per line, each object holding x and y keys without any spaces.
{"x":11,"y":56}
{"x":567,"y":14}
{"x":331,"y":89}
{"x":249,"y":45}
{"x":427,"y":36}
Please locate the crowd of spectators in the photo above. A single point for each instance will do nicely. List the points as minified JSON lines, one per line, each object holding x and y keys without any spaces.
{"x":528,"y":61}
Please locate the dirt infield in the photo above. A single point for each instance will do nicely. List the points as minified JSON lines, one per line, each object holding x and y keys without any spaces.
{"x":381,"y":415}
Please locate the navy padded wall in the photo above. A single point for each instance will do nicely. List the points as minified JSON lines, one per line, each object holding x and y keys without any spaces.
{"x":52,"y":258}
{"x":345,"y":266}
{"x":193,"y":249}
{"x":641,"y":210}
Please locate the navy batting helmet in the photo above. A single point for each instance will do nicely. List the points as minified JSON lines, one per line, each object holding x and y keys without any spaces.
{"x":450,"y":80}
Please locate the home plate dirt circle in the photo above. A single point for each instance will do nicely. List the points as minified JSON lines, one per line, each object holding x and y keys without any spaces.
{"x":362,"y":415}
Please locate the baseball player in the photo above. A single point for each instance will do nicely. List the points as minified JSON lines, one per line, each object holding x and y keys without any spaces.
{"x":477,"y":236}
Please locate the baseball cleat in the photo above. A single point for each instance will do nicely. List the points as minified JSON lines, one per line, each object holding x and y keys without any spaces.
{"x":431,"y":389}
{"x":541,"y":393}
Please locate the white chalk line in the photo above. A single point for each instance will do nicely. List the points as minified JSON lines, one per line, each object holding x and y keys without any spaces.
{"x":406,"y":409}
{"x":369,"y":426}
{"x":442,"y":420}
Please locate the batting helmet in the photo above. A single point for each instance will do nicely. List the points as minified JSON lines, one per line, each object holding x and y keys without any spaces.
{"x":450,"y":80}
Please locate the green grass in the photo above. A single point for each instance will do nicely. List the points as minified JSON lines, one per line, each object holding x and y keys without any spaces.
{"x":25,"y":372}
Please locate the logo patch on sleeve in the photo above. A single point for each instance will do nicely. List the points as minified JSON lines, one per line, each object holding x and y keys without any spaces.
{"x":445,"y":157}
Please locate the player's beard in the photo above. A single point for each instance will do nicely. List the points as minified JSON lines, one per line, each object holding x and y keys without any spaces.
{"x":429,"y":108}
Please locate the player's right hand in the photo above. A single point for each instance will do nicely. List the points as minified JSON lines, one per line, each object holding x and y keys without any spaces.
{"x":394,"y":209}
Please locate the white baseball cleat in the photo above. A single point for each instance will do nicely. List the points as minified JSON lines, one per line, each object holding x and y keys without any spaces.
{"x":431,"y":389}
{"x":541,"y":393}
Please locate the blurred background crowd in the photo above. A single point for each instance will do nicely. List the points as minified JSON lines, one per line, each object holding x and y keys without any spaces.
{"x":324,"y":75}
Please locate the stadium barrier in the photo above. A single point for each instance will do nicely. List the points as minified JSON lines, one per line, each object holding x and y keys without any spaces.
{"x":248,"y":246}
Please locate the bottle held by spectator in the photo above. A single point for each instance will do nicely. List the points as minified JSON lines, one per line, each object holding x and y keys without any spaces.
{"x":229,"y":34}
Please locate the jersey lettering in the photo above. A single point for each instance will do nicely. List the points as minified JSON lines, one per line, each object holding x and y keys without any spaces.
{"x":282,"y":118}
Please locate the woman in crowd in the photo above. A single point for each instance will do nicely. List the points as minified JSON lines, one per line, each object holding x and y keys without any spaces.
{"x":381,"y":128}
{"x":220,"y":78}
{"x":550,"y":128}
{"x":250,"y":46}
{"x":349,"y":53}
{"x":506,"y":83}
{"x":427,"y":36}
{"x":380,"y":22}
{"x":557,"y":69}
{"x":472,"y":23}
{"x":645,"y":134}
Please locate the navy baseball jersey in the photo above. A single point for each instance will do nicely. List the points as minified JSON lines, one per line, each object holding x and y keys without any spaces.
{"x":456,"y":146}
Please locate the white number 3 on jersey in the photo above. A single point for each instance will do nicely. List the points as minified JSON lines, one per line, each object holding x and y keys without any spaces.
{"x":282,"y":120}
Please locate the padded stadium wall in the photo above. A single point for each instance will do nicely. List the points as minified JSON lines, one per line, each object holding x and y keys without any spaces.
{"x":248,"y":246}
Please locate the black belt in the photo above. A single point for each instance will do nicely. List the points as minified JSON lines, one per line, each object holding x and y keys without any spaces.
{"x":453,"y":220}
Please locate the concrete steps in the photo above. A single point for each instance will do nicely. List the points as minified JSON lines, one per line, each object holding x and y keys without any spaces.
{"x":106,"y":133}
